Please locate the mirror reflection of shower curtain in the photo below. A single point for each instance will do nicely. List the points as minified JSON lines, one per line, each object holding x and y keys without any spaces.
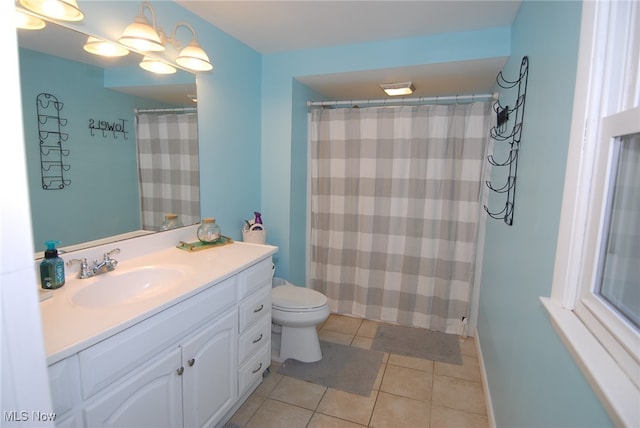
{"x":168,"y":169}
{"x":395,"y":210}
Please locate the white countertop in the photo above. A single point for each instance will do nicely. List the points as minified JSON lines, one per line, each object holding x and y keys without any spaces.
{"x":69,"y":328}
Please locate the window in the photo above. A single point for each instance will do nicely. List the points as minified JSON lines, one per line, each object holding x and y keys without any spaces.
{"x":595,"y":299}
{"x":608,"y":300}
{"x":618,"y":275}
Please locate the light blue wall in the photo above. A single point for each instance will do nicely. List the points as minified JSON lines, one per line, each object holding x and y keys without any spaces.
{"x":534,"y":382}
{"x":102,"y":198}
{"x":283,"y":194}
{"x":228,"y":109}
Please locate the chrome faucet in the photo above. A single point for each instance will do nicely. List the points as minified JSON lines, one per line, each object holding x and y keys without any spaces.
{"x":106,"y":265}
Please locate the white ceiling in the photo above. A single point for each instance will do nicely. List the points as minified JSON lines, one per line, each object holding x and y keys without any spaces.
{"x":280,"y":26}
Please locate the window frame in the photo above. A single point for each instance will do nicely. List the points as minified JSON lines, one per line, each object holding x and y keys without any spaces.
{"x":607,"y":356}
{"x":603,"y":321}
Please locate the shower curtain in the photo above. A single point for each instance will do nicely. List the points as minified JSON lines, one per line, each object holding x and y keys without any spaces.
{"x":395,"y":207}
{"x":168,"y":167}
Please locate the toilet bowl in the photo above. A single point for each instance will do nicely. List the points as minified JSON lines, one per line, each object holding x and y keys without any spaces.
{"x":295,"y":313}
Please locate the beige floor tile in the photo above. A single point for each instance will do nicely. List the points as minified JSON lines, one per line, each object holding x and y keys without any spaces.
{"x":362,"y":342}
{"x":324,"y":421}
{"x":275,"y":414}
{"x":459,"y":394}
{"x":468,"y":347}
{"x":408,"y":392}
{"x":269,"y":382}
{"x":469,"y":370}
{"x":335,"y":337}
{"x":298,"y":392}
{"x":444,"y":417}
{"x":368,"y":329}
{"x":392,"y":411}
{"x":411,"y":362}
{"x":243,"y":414}
{"x":342,"y":324}
{"x":407,"y":382}
{"x":352,"y":407}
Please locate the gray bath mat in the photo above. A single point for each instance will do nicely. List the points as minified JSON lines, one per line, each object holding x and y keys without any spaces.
{"x":417,"y":342}
{"x":342,"y":367}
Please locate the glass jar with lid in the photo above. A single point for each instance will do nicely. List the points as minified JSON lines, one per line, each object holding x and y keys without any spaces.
{"x":209,"y":231}
{"x":171,"y":221}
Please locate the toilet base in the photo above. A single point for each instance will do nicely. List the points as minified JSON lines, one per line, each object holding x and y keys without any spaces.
{"x":299,"y":343}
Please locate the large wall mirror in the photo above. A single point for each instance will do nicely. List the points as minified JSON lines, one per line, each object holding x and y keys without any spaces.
{"x":86,"y":172}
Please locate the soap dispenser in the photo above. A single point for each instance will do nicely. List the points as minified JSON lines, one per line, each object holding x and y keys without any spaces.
{"x":51,"y":267}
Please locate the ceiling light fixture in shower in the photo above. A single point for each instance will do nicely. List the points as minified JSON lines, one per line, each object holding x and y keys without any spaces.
{"x":395,"y":89}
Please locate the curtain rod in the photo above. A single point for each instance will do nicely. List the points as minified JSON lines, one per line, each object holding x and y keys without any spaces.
{"x":163,"y":110}
{"x":403,"y":101}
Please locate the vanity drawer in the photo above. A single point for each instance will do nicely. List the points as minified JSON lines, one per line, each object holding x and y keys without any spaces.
{"x":64,"y":381}
{"x":254,"y":277}
{"x":254,"y":307}
{"x":112,"y":358}
{"x":251,"y":340}
{"x":251,"y":371}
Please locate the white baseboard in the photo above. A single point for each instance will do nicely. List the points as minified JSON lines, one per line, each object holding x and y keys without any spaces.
{"x":485,"y":384}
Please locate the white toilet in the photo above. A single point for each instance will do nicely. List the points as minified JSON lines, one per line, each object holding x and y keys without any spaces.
{"x":295,"y":313}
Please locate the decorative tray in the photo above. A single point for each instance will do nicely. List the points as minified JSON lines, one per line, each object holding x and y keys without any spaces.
{"x":199,"y":245}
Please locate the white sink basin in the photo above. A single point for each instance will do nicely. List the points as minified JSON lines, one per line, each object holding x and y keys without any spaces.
{"x":129,"y":286}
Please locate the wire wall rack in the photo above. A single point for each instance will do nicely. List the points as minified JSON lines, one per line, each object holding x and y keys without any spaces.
{"x":508,"y":129}
{"x":53,"y":154}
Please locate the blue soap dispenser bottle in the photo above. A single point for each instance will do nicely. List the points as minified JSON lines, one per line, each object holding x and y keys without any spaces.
{"x":51,"y":267}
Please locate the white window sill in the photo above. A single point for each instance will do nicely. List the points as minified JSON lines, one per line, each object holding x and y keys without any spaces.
{"x":618,"y":394}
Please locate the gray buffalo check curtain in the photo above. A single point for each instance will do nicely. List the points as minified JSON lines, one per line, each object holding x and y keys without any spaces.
{"x":395,"y":209}
{"x":168,"y":167}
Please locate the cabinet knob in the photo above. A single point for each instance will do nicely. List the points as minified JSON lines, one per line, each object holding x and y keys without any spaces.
{"x":258,"y":369}
{"x":180,"y":371}
{"x":191,"y":362}
{"x":258,"y":339}
{"x":258,"y":309}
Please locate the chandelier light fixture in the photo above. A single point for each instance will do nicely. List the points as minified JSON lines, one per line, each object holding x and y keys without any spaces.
{"x":63,"y":10}
{"x":147,"y":37}
{"x":156,"y":66}
{"x":26,"y":21}
{"x":140,"y":34}
{"x":192,"y":57}
{"x":395,"y":89}
{"x":100,"y":47}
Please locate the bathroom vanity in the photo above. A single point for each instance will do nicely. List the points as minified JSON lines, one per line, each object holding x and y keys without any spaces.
{"x":169,"y":338}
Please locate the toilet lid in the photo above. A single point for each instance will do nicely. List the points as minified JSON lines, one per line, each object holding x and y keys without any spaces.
{"x":293,"y":297}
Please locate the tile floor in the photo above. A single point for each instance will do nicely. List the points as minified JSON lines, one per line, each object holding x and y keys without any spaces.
{"x":409,"y":392}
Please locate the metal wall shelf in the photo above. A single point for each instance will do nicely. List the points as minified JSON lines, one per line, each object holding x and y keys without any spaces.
{"x":51,"y":138}
{"x":512,"y":135}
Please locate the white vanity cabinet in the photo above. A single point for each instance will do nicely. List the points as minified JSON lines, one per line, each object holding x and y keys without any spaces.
{"x":209,"y":381}
{"x":193,"y":383}
{"x":191,"y":365}
{"x":254,"y":325}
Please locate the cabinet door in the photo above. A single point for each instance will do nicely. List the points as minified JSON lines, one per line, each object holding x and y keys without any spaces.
{"x":210,"y":372}
{"x":150,"y":397}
